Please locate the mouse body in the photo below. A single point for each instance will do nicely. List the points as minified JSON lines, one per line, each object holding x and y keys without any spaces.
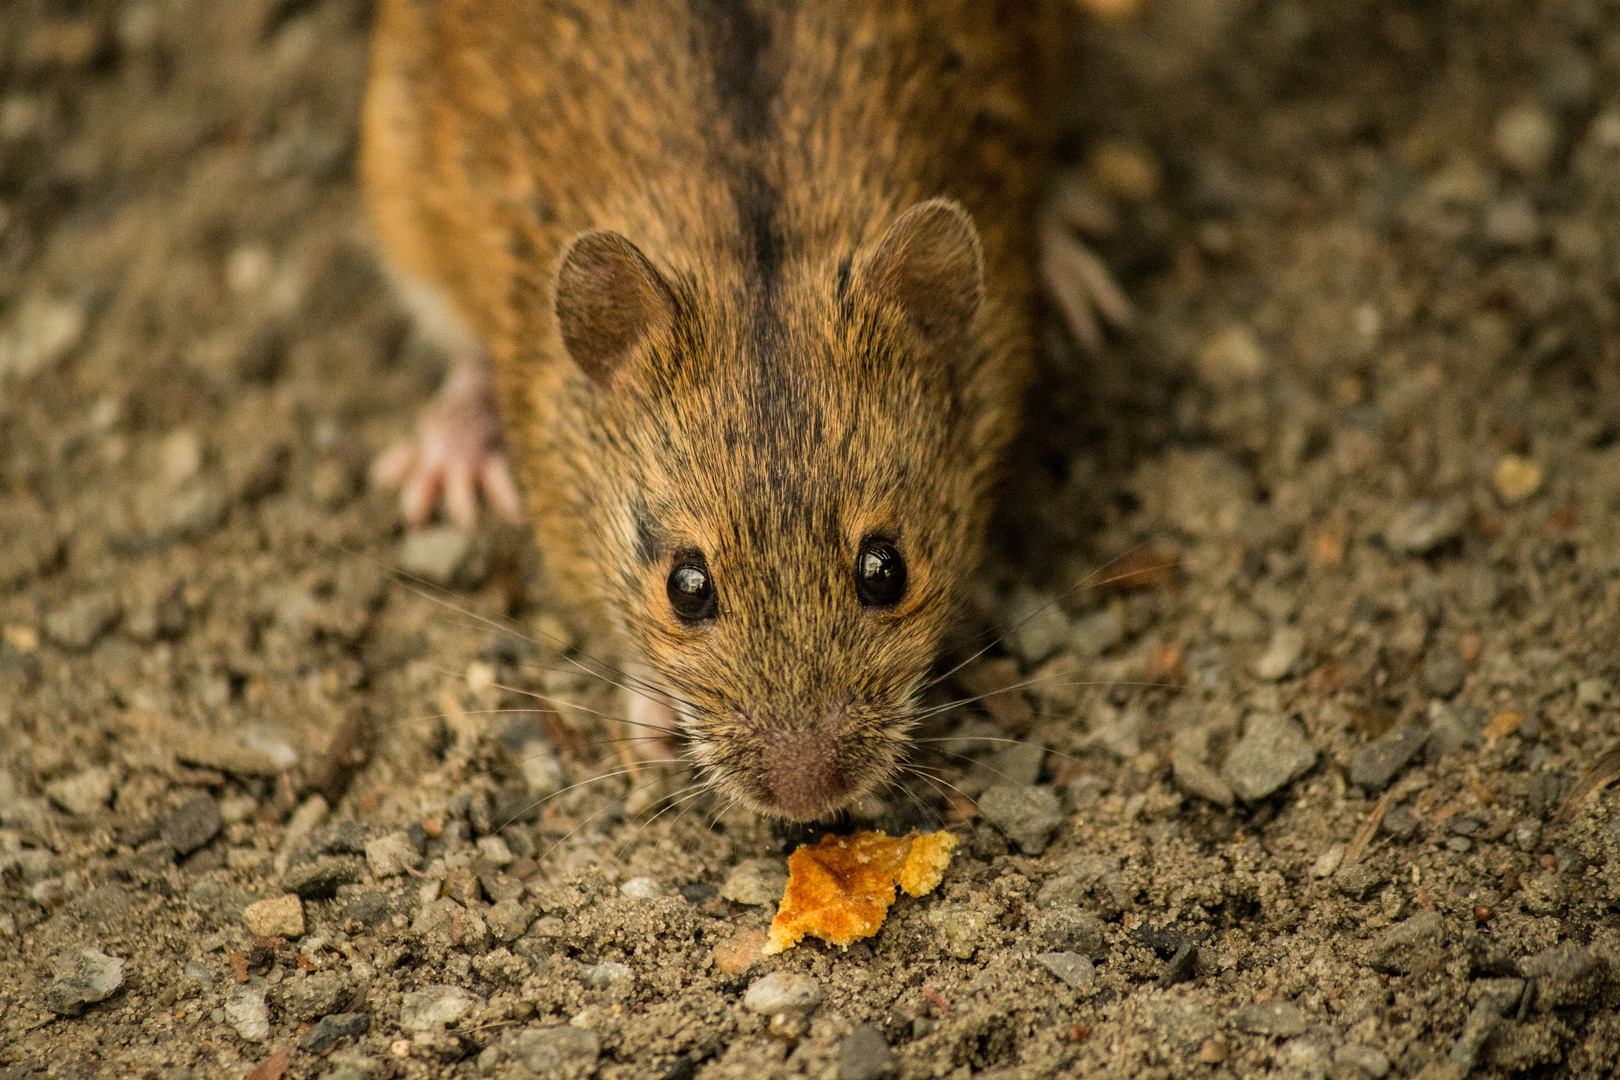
{"x":752,"y":285}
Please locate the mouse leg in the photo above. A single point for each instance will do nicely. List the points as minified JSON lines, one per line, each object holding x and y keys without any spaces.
{"x":455,"y":452}
{"x":1075,"y":278}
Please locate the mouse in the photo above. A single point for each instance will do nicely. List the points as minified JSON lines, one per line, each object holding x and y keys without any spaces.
{"x":740,"y":300}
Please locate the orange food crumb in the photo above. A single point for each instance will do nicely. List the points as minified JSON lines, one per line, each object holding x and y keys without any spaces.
{"x":840,"y":889}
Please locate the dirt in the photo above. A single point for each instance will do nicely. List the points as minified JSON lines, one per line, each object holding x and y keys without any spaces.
{"x":1313,"y":577}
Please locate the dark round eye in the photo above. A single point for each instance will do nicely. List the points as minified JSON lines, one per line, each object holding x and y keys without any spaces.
{"x":691,"y":591}
{"x":880,"y":574}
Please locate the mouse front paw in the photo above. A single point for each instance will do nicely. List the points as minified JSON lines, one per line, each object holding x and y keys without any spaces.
{"x":454,"y":455}
{"x":1075,"y":279}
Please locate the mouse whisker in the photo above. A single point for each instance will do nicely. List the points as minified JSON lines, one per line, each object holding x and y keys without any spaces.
{"x":1090,"y":581}
{"x":577,"y":828}
{"x":536,"y":804}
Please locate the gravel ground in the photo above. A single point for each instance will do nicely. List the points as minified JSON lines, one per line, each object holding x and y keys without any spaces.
{"x":1314,"y":578}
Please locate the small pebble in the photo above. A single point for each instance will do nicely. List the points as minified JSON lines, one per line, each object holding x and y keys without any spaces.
{"x":333,"y":1029}
{"x":281,"y":917}
{"x":1231,"y":358}
{"x":1512,"y":223}
{"x":1273,"y":751}
{"x":1194,"y":776}
{"x":1373,"y":766}
{"x":1516,"y":478}
{"x":392,"y":855}
{"x":509,"y":920}
{"x":1037,"y":627}
{"x":960,"y":929}
{"x":1096,"y":632}
{"x":1425,"y":527}
{"x":192,"y":825}
{"x":84,"y":620}
{"x":197,"y":510}
{"x":44,"y":331}
{"x":1444,"y":672}
{"x":542,"y":772}
{"x":495,"y":850}
{"x":1525,"y":138}
{"x":1278,"y":1020}
{"x":313,"y":996}
{"x":82,"y":979}
{"x":610,"y":974}
{"x":1358,"y":1060}
{"x":644,"y":888}
{"x":440,"y":556}
{"x":864,"y":1054}
{"x":1072,"y":969}
{"x":558,"y":1053}
{"x":781,"y":992}
{"x":435,"y":1006}
{"x":81,"y":793}
{"x":756,"y":882}
{"x":1411,"y":944}
{"x":1327,"y":862}
{"x":1027,"y":815}
{"x":1286,"y":647}
{"x":321,"y":877}
{"x":247,"y":1012}
{"x":1565,"y":974}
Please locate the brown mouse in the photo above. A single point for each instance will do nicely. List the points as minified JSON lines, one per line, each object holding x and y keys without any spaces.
{"x":755,"y":282}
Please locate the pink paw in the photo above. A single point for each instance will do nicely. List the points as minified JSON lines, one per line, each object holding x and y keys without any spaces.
{"x":1076,"y":279}
{"x":455,"y":453}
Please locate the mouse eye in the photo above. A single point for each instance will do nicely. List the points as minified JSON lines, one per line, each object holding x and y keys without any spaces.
{"x":691,"y":591}
{"x":880,"y":574}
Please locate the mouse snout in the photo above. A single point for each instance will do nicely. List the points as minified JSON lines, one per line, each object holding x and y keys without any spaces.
{"x":802,"y":774}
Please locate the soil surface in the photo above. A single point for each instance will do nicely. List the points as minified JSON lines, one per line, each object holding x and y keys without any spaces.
{"x":1310,"y":587}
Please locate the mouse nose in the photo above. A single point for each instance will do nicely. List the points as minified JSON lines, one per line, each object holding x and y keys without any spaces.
{"x":802,"y":774}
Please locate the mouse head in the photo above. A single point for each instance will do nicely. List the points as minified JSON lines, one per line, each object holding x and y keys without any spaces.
{"x":793,"y":489}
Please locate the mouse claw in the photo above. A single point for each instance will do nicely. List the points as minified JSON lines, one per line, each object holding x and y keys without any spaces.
{"x":453,"y":456}
{"x":1077,"y":280}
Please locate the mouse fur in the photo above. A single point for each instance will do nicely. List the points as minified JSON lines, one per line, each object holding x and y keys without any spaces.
{"x":756,"y":283}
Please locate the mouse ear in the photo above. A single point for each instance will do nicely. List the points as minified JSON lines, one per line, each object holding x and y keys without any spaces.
{"x":930,"y":264}
{"x":609,"y":296}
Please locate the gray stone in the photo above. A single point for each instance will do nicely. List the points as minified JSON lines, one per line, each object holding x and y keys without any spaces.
{"x":1095,"y":633}
{"x":1401,"y":823}
{"x":333,"y":1029}
{"x":1194,"y":776}
{"x":1565,"y":974}
{"x":320,"y":877}
{"x":1273,"y":751}
{"x":391,"y":855}
{"x":42,"y":332}
{"x":1071,"y":930}
{"x":864,"y":1054}
{"x":1358,"y":1061}
{"x":1525,"y":138}
{"x":353,"y":1067}
{"x":1278,"y":1020}
{"x":1415,"y":943}
{"x":247,"y":1013}
{"x":1425,"y":527}
{"x":83,"y":620}
{"x":192,"y":825}
{"x":1019,"y":764}
{"x":440,"y":556}
{"x":197,"y":510}
{"x":1444,"y":672}
{"x":436,"y":1006}
{"x":1358,"y":882}
{"x":1027,"y":815}
{"x":1037,"y":627}
{"x":81,"y":793}
{"x":312,"y":996}
{"x":1453,"y":729}
{"x":782,"y":992}
{"x":1243,"y":625}
{"x":755,"y":882}
{"x":610,"y":975}
{"x":1512,"y":223}
{"x":1073,"y":969}
{"x":1287,"y":645}
{"x":83,"y":978}
{"x":1375,"y":765}
{"x":509,"y":920}
{"x":559,"y":1053}
{"x":1481,"y":1023}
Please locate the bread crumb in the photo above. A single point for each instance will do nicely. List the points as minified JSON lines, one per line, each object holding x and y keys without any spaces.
{"x":840,"y":889}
